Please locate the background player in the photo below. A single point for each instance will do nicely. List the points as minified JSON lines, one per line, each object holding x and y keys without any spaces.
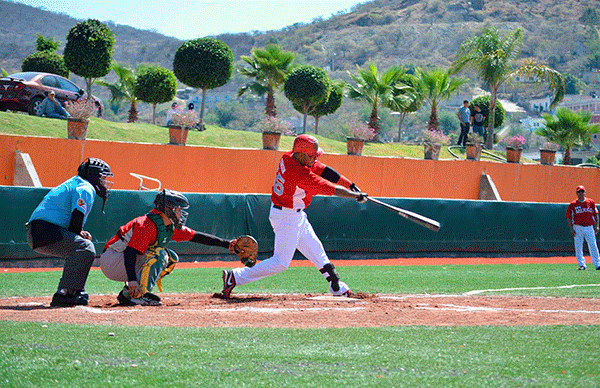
{"x":55,"y":228}
{"x":582,"y":217}
{"x":299,"y":177}
{"x":136,"y":254}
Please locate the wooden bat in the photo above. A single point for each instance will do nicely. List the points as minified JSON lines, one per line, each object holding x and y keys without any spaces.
{"x":414,"y":217}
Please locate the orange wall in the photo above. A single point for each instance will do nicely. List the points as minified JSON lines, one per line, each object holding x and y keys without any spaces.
{"x":226,"y":170}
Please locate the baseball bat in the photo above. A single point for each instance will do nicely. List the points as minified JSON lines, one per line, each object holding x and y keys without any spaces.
{"x":414,"y":217}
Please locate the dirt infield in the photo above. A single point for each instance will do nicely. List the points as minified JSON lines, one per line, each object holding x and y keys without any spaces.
{"x":313,"y":311}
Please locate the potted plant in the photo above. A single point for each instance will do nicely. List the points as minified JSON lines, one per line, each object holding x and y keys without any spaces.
{"x":80,"y":112}
{"x":548,"y":153}
{"x":514,"y":148}
{"x":272,"y":128}
{"x":360,"y":132}
{"x":474,"y":146}
{"x":182,"y":122}
{"x":432,"y":142}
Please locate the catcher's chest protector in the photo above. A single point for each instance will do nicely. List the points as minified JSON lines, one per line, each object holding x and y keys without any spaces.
{"x":164,"y":232}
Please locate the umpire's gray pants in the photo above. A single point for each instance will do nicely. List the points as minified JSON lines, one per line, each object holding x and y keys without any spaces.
{"x":79,"y":256}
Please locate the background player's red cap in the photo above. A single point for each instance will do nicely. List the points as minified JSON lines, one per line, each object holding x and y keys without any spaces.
{"x":307,"y":144}
{"x":579,"y":188}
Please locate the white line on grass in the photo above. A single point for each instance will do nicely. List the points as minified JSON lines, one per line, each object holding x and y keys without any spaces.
{"x":452,"y":307}
{"x":475,"y":292}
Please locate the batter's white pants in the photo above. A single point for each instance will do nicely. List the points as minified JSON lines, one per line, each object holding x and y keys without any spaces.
{"x":587,"y":233}
{"x":292,"y":231}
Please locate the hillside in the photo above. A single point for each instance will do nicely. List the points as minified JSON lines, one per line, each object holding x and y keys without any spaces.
{"x":389,"y":32}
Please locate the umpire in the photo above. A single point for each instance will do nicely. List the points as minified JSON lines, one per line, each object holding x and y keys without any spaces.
{"x":56,"y":228}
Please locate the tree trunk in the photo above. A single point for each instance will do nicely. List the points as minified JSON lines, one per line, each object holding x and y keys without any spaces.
{"x":202,"y":106}
{"x":270,"y":109}
{"x":374,"y":121}
{"x":489,"y":139}
{"x":304,"y":124}
{"x":154,"y":114}
{"x":316,"y":125}
{"x":567,"y":156}
{"x":88,"y":87}
{"x":402,"y":116}
{"x":133,"y":113}
{"x":433,"y":118}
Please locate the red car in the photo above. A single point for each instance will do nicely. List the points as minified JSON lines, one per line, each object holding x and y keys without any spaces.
{"x":25,"y":91}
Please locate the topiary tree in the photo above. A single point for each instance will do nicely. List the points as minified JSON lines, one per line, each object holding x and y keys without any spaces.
{"x":46,"y":62}
{"x":483,"y":102}
{"x":46,"y":59}
{"x":89,"y":49}
{"x":155,"y":85}
{"x":204,"y":63}
{"x":329,"y":106}
{"x":306,"y":87}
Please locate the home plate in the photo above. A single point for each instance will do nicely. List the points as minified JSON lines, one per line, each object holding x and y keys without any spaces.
{"x":331,"y":298}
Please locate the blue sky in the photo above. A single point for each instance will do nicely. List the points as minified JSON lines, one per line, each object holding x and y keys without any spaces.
{"x":198,"y":18}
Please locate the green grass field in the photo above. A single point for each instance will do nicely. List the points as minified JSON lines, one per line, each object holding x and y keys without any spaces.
{"x":50,"y":355}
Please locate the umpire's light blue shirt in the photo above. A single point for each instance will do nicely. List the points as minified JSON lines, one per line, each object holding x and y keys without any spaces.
{"x":59,"y":203}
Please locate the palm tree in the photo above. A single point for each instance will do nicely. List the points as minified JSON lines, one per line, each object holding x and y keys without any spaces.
{"x":405,"y":101}
{"x":437,"y":85}
{"x":568,"y":129}
{"x":495,"y":59}
{"x":123,"y":89}
{"x":269,"y":67}
{"x":375,"y":89}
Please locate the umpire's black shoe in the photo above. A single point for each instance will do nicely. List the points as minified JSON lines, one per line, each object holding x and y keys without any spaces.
{"x":64,"y":298}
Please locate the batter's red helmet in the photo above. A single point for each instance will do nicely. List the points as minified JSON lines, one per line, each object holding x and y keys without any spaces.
{"x":307,"y":144}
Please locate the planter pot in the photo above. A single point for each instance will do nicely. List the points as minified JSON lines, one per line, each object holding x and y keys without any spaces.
{"x":513,"y":155}
{"x":177,"y":135}
{"x":432,"y":151}
{"x":271,"y":140}
{"x":547,"y":157}
{"x":355,"y":146}
{"x":77,"y":128}
{"x":473,"y":151}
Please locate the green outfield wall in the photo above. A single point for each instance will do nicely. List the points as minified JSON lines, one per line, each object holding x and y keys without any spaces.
{"x":347,"y":228}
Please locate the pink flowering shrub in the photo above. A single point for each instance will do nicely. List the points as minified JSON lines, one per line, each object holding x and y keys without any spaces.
{"x":361,"y":131}
{"x":515,"y":142}
{"x":435,"y":137}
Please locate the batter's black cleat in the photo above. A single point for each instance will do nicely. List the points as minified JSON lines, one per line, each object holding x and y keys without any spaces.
{"x":582,"y":268}
{"x":228,"y":283}
{"x":65,"y":298}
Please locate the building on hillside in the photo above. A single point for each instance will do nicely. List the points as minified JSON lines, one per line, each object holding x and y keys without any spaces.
{"x":575,"y":102}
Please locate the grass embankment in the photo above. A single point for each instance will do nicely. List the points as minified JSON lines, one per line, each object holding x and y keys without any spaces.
{"x":214,"y":136}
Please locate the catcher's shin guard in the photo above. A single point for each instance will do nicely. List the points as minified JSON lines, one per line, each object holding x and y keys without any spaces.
{"x":156,"y":261}
{"x":331,"y":275}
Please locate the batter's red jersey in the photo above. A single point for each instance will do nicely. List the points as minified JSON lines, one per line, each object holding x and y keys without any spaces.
{"x":296,"y":184}
{"x":141,"y":232}
{"x":582,"y":213}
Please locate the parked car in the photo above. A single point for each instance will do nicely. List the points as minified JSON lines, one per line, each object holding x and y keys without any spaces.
{"x":25,"y":91}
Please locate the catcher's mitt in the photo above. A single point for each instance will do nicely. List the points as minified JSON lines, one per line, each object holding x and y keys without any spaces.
{"x":246,"y":249}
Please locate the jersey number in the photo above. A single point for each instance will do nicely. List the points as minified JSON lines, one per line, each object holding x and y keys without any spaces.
{"x":278,"y":184}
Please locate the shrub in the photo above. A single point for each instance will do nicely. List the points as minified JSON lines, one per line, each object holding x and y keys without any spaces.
{"x":515,"y":142}
{"x":361,"y":131}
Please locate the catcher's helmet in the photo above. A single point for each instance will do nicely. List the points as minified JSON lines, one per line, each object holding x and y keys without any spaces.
{"x":307,"y":144}
{"x":96,"y":171}
{"x":167,"y":201}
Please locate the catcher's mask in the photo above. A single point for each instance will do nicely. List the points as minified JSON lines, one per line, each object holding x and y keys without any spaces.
{"x":97,"y":171}
{"x":172,"y":203}
{"x":307,"y":144}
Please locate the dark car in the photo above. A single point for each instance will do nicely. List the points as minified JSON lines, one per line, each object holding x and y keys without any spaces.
{"x":25,"y":91}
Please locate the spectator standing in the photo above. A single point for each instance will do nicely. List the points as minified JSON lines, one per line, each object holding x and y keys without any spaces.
{"x":582,"y":217}
{"x":464,"y":116}
{"x":477,"y":119}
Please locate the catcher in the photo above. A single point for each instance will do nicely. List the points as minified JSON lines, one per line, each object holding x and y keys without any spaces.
{"x":137,"y":253}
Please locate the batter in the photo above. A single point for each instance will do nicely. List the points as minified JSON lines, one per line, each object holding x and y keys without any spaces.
{"x":299,"y":177}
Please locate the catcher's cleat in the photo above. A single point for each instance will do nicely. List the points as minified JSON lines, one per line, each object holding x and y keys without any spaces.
{"x":582,"y":268}
{"x":148,"y":299}
{"x":228,"y":283}
{"x":64,"y":298}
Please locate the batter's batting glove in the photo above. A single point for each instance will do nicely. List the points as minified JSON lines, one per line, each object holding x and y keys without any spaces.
{"x":354,"y":188}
